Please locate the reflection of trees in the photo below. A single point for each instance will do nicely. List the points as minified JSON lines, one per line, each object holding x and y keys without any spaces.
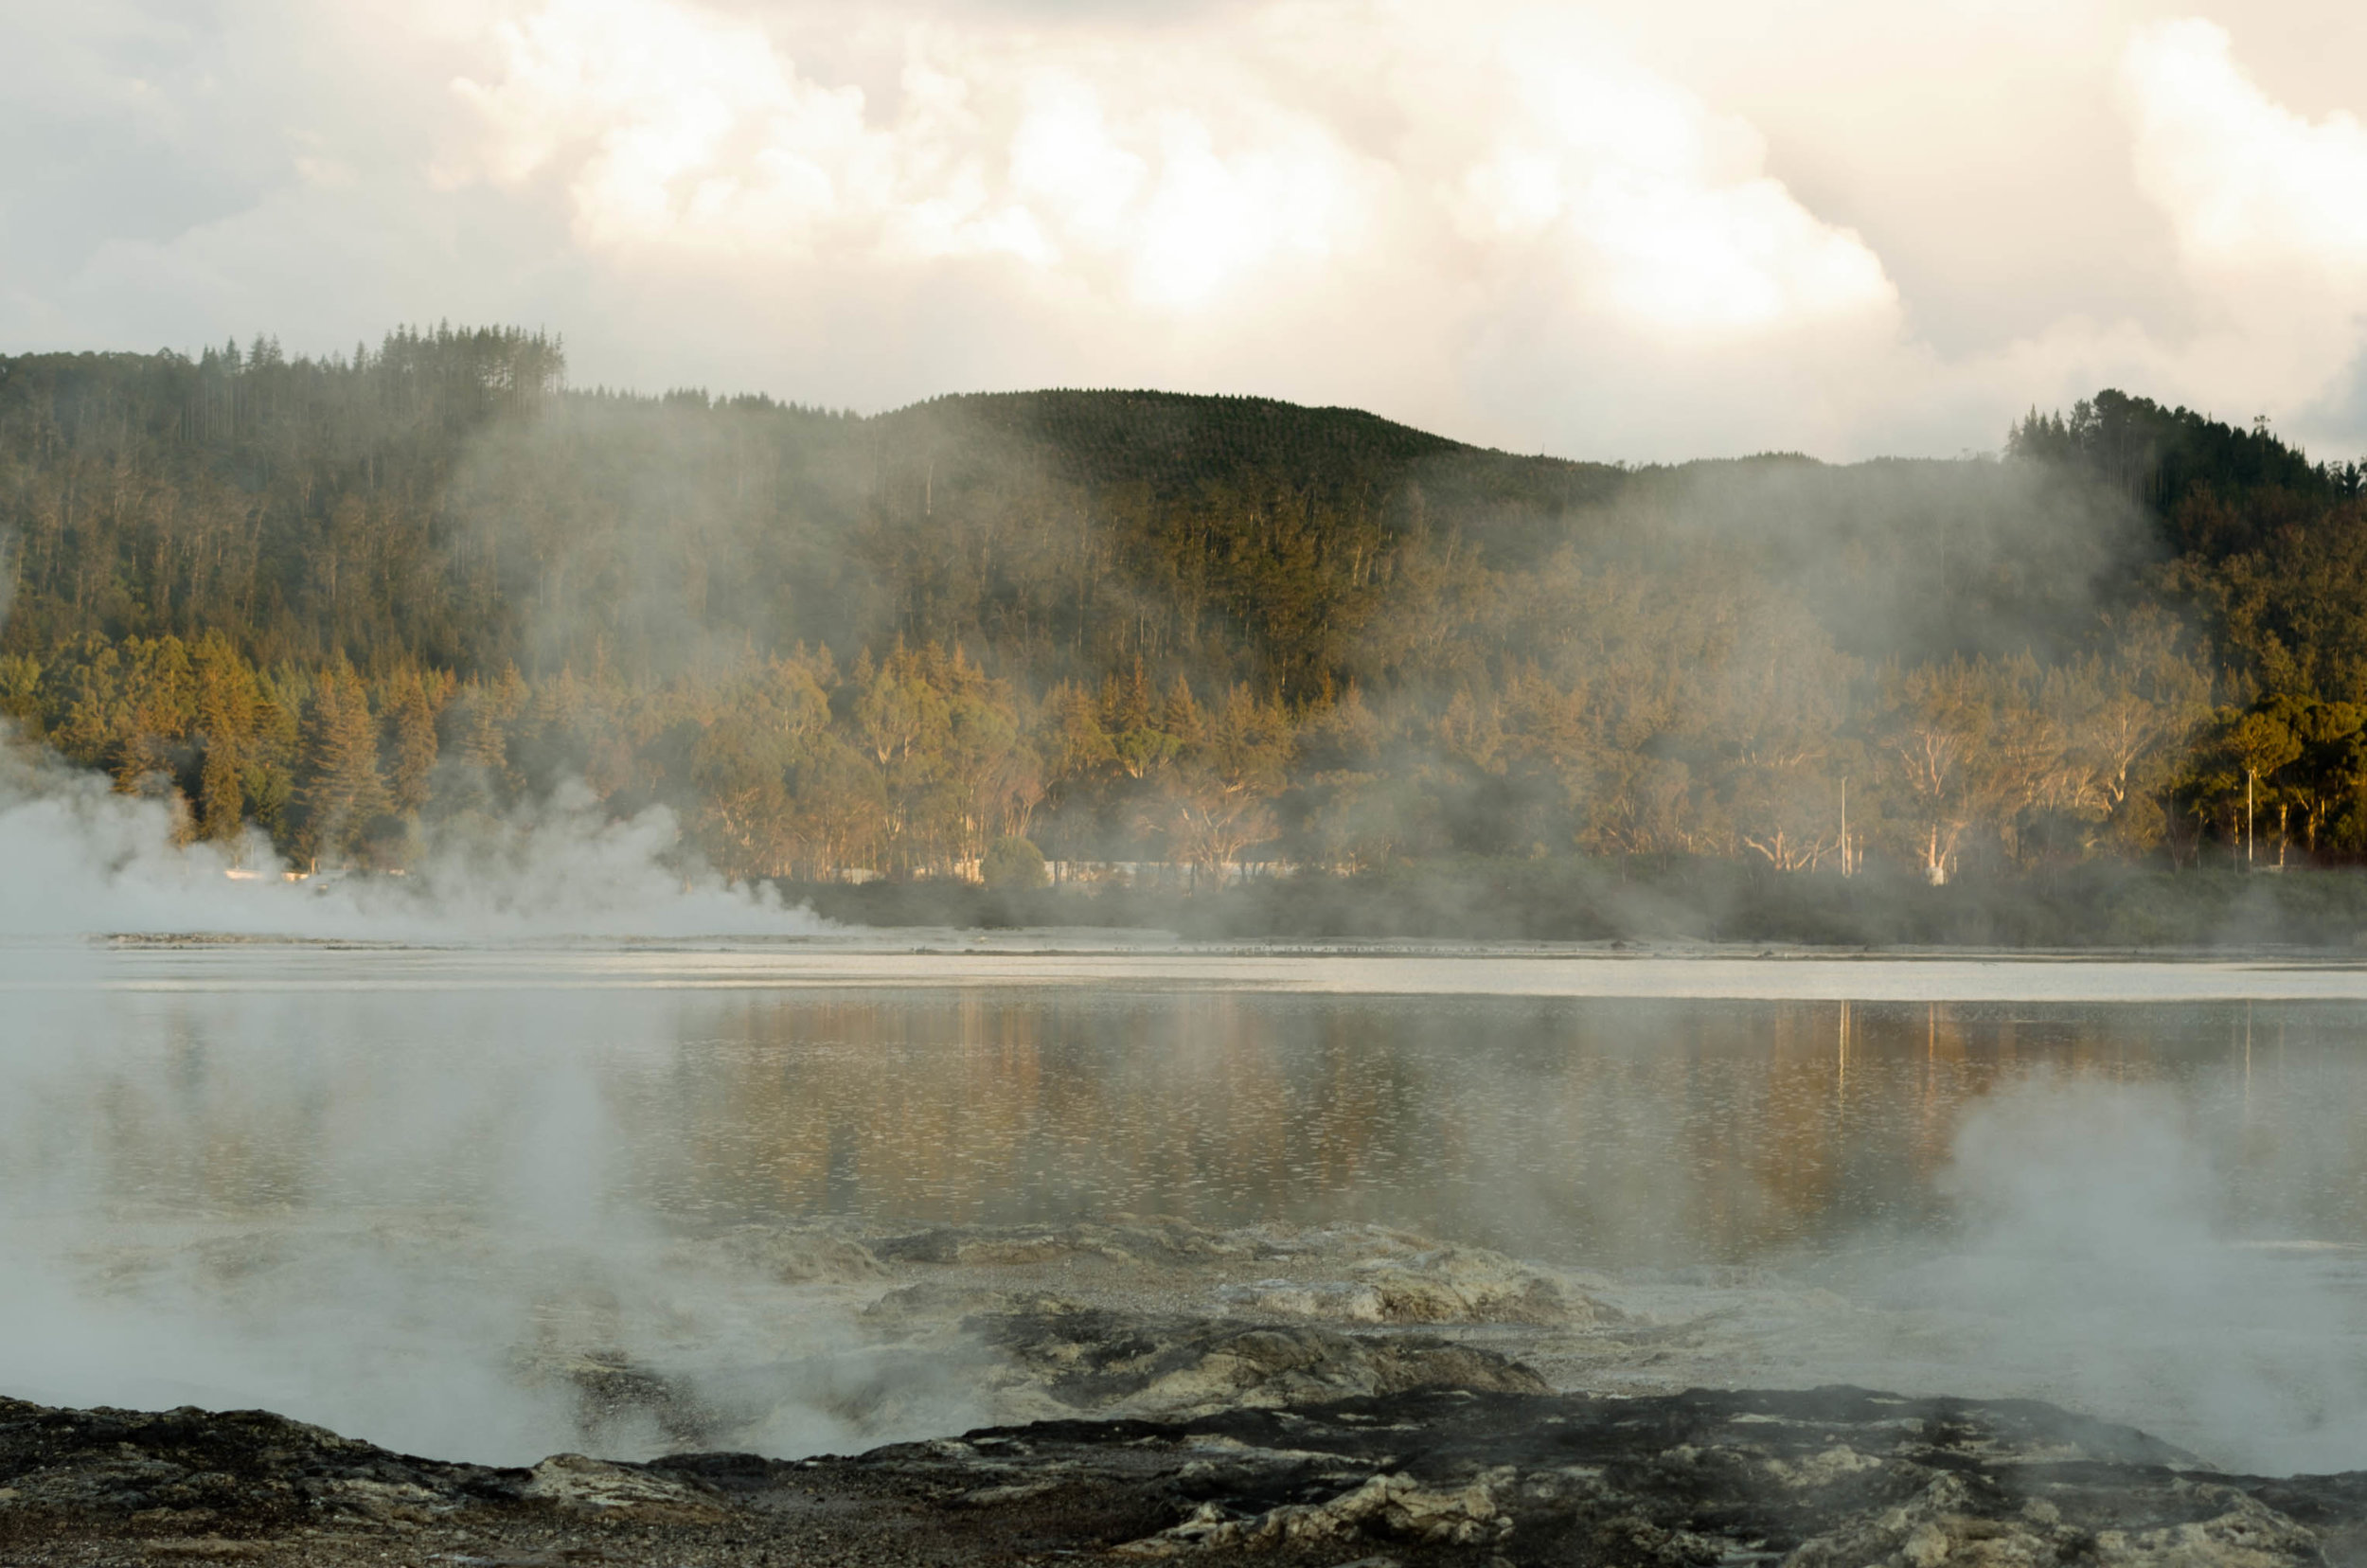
{"x":1597,"y":1132}
{"x":985,"y":1110}
{"x":1673,"y":1131}
{"x":1715,"y":1139}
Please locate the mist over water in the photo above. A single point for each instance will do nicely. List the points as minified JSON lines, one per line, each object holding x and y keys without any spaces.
{"x":410,"y":1196}
{"x":414,"y":1218}
{"x":2115,"y":1242}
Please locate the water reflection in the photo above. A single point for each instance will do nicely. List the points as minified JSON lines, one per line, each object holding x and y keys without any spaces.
{"x":1611,"y":1133}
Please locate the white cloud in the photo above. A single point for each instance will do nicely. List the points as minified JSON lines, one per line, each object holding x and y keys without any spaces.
{"x":2246,"y":182}
{"x":679,"y":126}
{"x":2270,"y":214}
{"x":1174,"y":178}
{"x":1662,"y":203}
{"x":1065,"y":161}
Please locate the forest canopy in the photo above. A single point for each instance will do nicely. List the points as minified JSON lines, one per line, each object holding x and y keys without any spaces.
{"x":340,"y":601}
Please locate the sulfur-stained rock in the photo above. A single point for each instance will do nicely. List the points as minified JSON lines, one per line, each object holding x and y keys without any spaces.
{"x":1437,"y":1285}
{"x":572,"y":1481}
{"x":1396,"y":1506}
{"x":1119,"y":1240}
{"x":793,"y":1255}
{"x":1095,"y":1360}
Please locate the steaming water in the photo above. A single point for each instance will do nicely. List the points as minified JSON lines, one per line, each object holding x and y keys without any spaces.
{"x":364,"y":1186}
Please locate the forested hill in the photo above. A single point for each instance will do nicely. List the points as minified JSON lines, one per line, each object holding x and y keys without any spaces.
{"x":442,"y":500}
{"x":1173,"y":443}
{"x":343,"y":600}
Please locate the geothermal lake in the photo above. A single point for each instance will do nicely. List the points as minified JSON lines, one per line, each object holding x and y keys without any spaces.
{"x":360,"y":1184}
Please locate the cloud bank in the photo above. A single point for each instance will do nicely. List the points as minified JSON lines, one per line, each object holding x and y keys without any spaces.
{"x":1541,"y":226}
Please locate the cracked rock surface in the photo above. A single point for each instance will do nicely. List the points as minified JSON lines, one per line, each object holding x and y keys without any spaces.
{"x":1824,"y":1478}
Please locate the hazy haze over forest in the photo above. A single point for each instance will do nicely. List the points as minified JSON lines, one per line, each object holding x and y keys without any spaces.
{"x":1601,"y":231}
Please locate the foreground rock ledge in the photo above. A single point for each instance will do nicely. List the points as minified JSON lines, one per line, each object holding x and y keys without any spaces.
{"x":1832,"y":1478}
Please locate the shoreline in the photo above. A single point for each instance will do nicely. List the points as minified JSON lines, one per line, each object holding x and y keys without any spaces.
{"x":1126,"y":941}
{"x":1062,"y":960}
{"x":1835,"y":1477}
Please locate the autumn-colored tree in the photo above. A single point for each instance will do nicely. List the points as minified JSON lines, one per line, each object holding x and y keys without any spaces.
{"x":340,"y":787}
{"x":411,"y":743}
{"x":226,"y":706}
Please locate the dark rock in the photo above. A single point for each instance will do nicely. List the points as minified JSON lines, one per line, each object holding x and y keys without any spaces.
{"x":1829,"y":1478}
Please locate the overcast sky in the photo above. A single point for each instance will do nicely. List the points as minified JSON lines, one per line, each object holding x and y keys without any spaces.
{"x":1622,"y":231}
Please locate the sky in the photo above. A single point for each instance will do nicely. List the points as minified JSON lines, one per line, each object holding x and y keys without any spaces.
{"x":1634,"y":232}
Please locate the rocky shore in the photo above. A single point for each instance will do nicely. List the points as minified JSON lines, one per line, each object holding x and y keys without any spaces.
{"x":1147,"y":1390}
{"x":1827,"y":1478}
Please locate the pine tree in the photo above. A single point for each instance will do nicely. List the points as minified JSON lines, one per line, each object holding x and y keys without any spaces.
{"x":222,"y":795}
{"x":341,"y":789}
{"x":1125,"y":701}
{"x":226,"y":702}
{"x":498,"y":706}
{"x":1179,"y":715}
{"x":411,"y":742}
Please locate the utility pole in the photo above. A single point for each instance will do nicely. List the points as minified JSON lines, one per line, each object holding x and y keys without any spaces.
{"x":1844,"y":826}
{"x":2249,"y":777}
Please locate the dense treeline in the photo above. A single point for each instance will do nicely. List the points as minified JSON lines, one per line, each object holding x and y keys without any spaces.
{"x":343,"y":600}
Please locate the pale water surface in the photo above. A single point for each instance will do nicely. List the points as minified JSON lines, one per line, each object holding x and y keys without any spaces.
{"x":300,"y":1177}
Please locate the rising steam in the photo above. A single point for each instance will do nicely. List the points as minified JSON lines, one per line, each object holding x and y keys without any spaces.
{"x":2100,"y":1266}
{"x":85,"y":860}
